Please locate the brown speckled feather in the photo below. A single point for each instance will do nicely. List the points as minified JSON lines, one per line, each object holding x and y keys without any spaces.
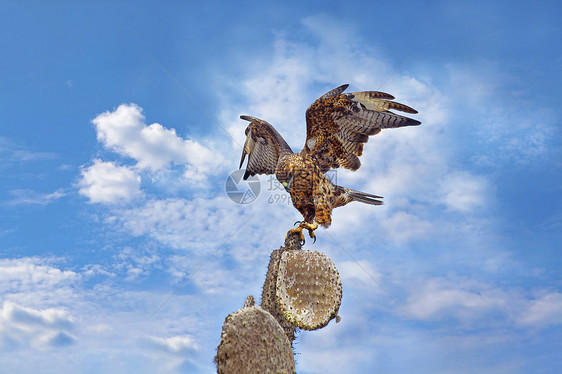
{"x":264,"y":145}
{"x":338,"y":124}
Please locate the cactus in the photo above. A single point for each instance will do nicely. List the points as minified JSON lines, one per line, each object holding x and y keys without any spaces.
{"x":269,"y":294}
{"x":293,"y":242}
{"x":253,"y":342}
{"x":302,"y":289}
{"x":308,"y":289}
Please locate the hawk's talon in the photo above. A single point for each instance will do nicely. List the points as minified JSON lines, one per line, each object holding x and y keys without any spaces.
{"x":304,"y":225}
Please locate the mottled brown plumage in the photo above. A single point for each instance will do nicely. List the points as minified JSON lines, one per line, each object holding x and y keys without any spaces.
{"x":337,"y":126}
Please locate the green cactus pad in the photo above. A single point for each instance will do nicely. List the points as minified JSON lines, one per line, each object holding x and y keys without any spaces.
{"x":308,"y":289}
{"x":253,"y":342}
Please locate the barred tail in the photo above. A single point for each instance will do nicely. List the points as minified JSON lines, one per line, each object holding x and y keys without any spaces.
{"x":365,"y":197}
{"x":378,"y":110}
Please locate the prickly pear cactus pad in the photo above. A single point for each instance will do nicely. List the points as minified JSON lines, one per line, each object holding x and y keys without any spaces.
{"x":309,"y":289}
{"x":269,"y":298}
{"x":253,"y":342}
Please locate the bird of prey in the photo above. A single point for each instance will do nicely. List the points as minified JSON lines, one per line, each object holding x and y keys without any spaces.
{"x":337,"y":126}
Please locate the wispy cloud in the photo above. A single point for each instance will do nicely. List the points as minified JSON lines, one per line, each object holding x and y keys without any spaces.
{"x":464,"y":192}
{"x":30,"y":197}
{"x":48,"y":311}
{"x":12,"y":152}
{"x":135,"y":263}
{"x":466,"y":300}
{"x":470,"y":300}
{"x":179,"y":344}
{"x":402,"y":227}
{"x":542,"y":311}
{"x":514,"y":129}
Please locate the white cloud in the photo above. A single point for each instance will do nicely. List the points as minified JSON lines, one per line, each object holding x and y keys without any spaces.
{"x":205,"y":235}
{"x":177,"y":344}
{"x":51,"y":317}
{"x":542,"y":311}
{"x":48,"y":315}
{"x":91,"y":270}
{"x":32,"y":273}
{"x":322,"y":359}
{"x":30,"y":197}
{"x":534,"y":143}
{"x":439,"y":298}
{"x":12,"y":152}
{"x":402,"y":227}
{"x":109,"y":183}
{"x":154,"y":147}
{"x":361,"y":271}
{"x":464,"y":192}
{"x":35,"y":283}
{"x":513,"y":128}
{"x":181,"y":223}
{"x":37,"y":328}
{"x":466,"y":300}
{"x":135,"y":262}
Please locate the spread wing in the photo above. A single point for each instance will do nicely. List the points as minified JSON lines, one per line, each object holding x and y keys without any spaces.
{"x":338,"y":124}
{"x":263,"y":146}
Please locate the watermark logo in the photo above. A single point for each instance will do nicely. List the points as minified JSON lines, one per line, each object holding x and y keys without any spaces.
{"x":242,"y":191}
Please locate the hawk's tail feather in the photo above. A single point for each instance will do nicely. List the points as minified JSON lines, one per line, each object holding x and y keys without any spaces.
{"x":379,"y":109}
{"x":374,"y":100}
{"x":366,"y":198}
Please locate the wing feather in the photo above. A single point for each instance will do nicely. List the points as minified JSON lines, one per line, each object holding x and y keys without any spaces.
{"x":263,"y":146}
{"x":338,"y":124}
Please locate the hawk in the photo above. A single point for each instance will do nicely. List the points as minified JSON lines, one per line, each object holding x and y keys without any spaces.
{"x":337,"y":126}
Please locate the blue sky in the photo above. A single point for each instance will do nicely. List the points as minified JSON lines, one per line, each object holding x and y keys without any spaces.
{"x":120,"y":126}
